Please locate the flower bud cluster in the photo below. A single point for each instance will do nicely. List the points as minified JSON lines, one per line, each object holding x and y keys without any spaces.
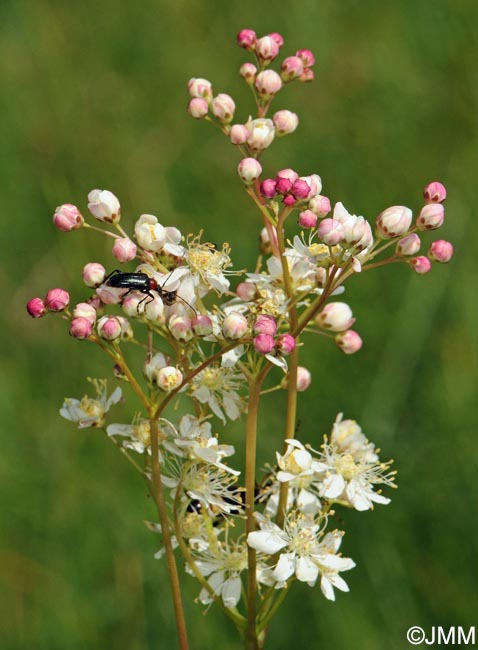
{"x":265,"y":340}
{"x":222,"y":106}
{"x":55,"y":300}
{"x":294,"y":190}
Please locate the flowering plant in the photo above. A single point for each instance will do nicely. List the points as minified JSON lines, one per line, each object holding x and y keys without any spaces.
{"x":215,"y":350}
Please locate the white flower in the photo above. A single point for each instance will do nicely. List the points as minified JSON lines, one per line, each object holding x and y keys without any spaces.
{"x":223,"y":564}
{"x":149,"y":233}
{"x":208,"y":265}
{"x":261,"y":133}
{"x":138,"y":433}
{"x":89,"y":412}
{"x":217,"y":386}
{"x":104,"y":206}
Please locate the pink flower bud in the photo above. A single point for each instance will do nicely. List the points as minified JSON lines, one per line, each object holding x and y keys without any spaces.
{"x":434,"y":192}
{"x":268,"y":83}
{"x":393,"y":222}
{"x":336,"y":316}
{"x":268,"y":188}
{"x":278,"y":38}
{"x":198,"y":108}
{"x":314,"y":182}
{"x":307,"y":219}
{"x":290,"y":174}
{"x":109,"y":328}
{"x":285,"y":344}
{"x":420,"y":265}
{"x":265,"y":324}
{"x":249,"y":169}
{"x":291,"y":68}
{"x":57,"y":299}
{"x":181,"y":328}
{"x":307,"y":75}
{"x":130,"y":304}
{"x":266,"y":48}
{"x":93,"y":274}
{"x":248,"y":72}
{"x":234,"y":326}
{"x":261,"y":133}
{"x":263,"y":343}
{"x":202,"y":325}
{"x":285,"y":122}
{"x":283,"y":185}
{"x":153,"y":310}
{"x":223,"y":107}
{"x":307,"y":57}
{"x":431,"y":216}
{"x":246,"y":39}
{"x":36,"y":308}
{"x":304,"y":379}
{"x":246,"y":291}
{"x":124,"y":249}
{"x":409,"y":245}
{"x":300,"y":189}
{"x":349,"y":341}
{"x":440,"y":251}
{"x":200,"y":88}
{"x":104,"y":206}
{"x":320,"y":205}
{"x":169,"y":378}
{"x":81,"y":328}
{"x":289,"y":201}
{"x":238,"y":134}
{"x":95,"y":302}
{"x":330,"y":231}
{"x":67,"y":217}
{"x":85,"y":310}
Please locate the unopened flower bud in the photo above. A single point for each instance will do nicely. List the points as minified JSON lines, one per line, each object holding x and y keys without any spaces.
{"x":420,"y":265}
{"x":290,"y":174}
{"x":202,"y":325}
{"x":223,"y":108}
{"x":261,"y":133}
{"x":249,"y":169}
{"x":57,"y":299}
{"x":283,"y":185}
{"x":109,"y":328}
{"x":263,"y":343}
{"x":266,"y":48}
{"x":85,"y":310}
{"x":36,"y":308}
{"x":149,"y":233}
{"x":198,"y":108}
{"x":320,"y":205}
{"x":154,"y":310}
{"x":300,"y":189}
{"x":104,"y":206}
{"x":246,"y":290}
{"x":81,"y":328}
{"x":409,"y":245}
{"x":307,"y":75}
{"x":265,"y":324}
{"x":278,"y":38}
{"x":285,"y":344}
{"x":93,"y":274}
{"x":234,"y":326}
{"x":268,"y":83}
{"x":200,"y":88}
{"x":431,"y":216}
{"x":440,"y":251}
{"x":238,"y":134}
{"x":307,"y":57}
{"x":268,"y":188}
{"x":124,"y":249}
{"x":248,"y":72}
{"x":336,"y":316}
{"x":304,"y":379}
{"x":434,"y":192}
{"x":307,"y":219}
{"x":285,"y":122}
{"x":393,"y":222}
{"x":289,"y":201}
{"x":153,"y":365}
{"x":67,"y":217}
{"x":349,"y":341}
{"x":330,"y":231}
{"x":169,"y":378}
{"x":130,"y":304}
{"x":246,"y":39}
{"x":314,"y":182}
{"x":291,"y":68}
{"x":181,"y":328}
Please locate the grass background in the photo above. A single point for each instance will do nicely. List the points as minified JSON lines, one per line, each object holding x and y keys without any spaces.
{"x":93,"y":95}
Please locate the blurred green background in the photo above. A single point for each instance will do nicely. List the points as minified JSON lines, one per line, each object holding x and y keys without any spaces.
{"x":93,"y":95}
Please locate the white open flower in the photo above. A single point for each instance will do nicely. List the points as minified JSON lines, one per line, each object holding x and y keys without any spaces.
{"x":90,"y":412}
{"x":217,"y":386}
{"x":223,"y":565}
{"x":208,"y":265}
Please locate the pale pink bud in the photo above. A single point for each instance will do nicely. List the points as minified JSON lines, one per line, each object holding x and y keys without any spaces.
{"x":149,"y":233}
{"x":283,"y":185}
{"x":109,"y":328}
{"x":198,"y":108}
{"x":93,"y":274}
{"x":248,"y":72}
{"x":169,"y":378}
{"x":289,"y":201}
{"x":104,"y":206}
{"x":320,"y":205}
{"x":307,"y":219}
{"x":290,"y":174}
{"x":263,"y":343}
{"x":268,"y":188}
{"x":285,"y":344}
{"x":57,"y":299}
{"x":249,"y":169}
{"x":431,"y":216}
{"x":300,"y":189}
{"x":307,"y":75}
{"x":330,"y":231}
{"x":153,"y":365}
{"x":85,"y":310}
{"x":441,"y":251}
{"x":393,"y":222}
{"x":223,"y":107}
{"x":285,"y":122}
{"x":246,"y":39}
{"x":261,"y":133}
{"x":234,"y":326}
{"x":314,"y":182}
{"x":238,"y":134}
{"x":409,"y":245}
{"x":278,"y":38}
{"x":357,"y":232}
{"x":304,"y":379}
{"x":36,"y":308}
{"x":67,"y":217}
{"x":420,"y":265}
{"x":246,"y":290}
{"x":200,"y":88}
{"x":265,"y":324}
{"x":130,"y":304}
{"x":307,"y":57}
{"x":291,"y":68}
{"x":124,"y":249}
{"x":153,"y":309}
{"x":336,"y":316}
{"x":434,"y":192}
{"x":267,"y":48}
{"x":81,"y":328}
{"x":268,"y":83}
{"x":181,"y":327}
{"x":202,"y":325}
{"x":349,"y":341}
